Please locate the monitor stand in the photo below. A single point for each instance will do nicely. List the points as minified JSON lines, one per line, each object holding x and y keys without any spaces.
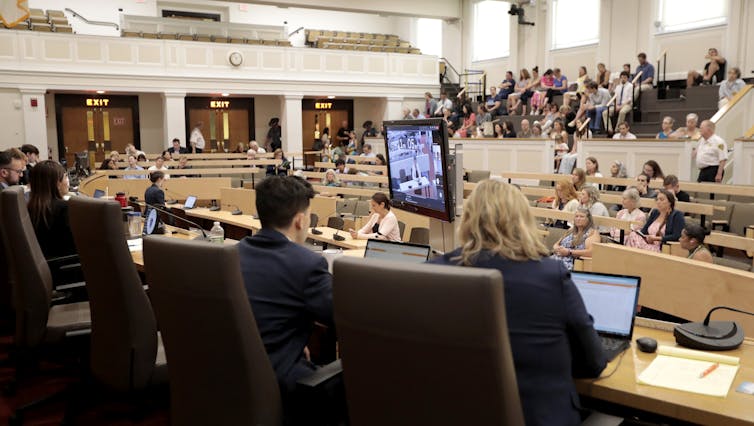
{"x":442,"y":235}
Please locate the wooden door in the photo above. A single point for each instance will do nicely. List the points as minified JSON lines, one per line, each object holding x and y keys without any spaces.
{"x":227,"y":122}
{"x":96,"y":125}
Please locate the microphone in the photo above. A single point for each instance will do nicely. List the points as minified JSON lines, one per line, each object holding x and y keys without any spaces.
{"x":711,"y":335}
{"x":175,"y":216}
{"x":314,"y":229}
{"x":237,"y":211}
{"x":337,"y":237}
{"x":214,"y":206}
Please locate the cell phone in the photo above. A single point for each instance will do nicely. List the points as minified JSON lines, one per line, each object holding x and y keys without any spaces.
{"x":638,"y":231}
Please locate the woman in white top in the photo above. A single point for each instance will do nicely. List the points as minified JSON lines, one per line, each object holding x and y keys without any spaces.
{"x":592,"y":169}
{"x":382,"y":225}
{"x":630,"y":212}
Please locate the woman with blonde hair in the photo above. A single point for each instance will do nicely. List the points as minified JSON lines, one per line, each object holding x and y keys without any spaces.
{"x":578,"y":175}
{"x":549,"y":328}
{"x":566,"y":199}
{"x":331,"y":178}
{"x":577,"y":242}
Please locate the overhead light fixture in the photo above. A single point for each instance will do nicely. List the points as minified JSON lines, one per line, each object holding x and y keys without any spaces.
{"x":100,"y":92}
{"x":331,"y":97}
{"x":225,"y":94}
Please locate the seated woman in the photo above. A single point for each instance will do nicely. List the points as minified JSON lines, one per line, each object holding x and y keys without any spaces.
{"x":577,"y":242}
{"x":653,"y":170}
{"x":566,"y":200}
{"x":330,"y":179}
{"x":509,"y":129}
{"x":382,"y":225}
{"x":539,"y":295}
{"x":154,"y":195}
{"x":379,"y":160}
{"x":109,"y":164}
{"x":48,"y":210}
{"x":593,"y":169}
{"x":589,"y":198}
{"x":282,"y":168}
{"x":578,"y":177}
{"x":630,"y":211}
{"x":664,"y":224}
{"x":617,"y":170}
{"x":667,"y":128}
{"x":692,"y":239}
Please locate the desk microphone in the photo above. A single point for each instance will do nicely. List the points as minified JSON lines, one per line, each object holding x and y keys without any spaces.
{"x":214,"y":206}
{"x":711,"y":335}
{"x":237,"y":211}
{"x":337,"y":237}
{"x":314,"y":229}
{"x":171,"y":214}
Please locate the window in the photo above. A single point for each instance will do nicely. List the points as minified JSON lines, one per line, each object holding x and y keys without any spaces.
{"x":429,"y":36}
{"x":575,"y":23}
{"x":491,"y":30}
{"x":681,"y":15}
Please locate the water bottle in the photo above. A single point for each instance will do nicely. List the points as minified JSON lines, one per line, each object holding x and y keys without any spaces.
{"x":216,"y":234}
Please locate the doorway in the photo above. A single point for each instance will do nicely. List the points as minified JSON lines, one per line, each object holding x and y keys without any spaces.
{"x":318,"y":115}
{"x":96,"y":124}
{"x":228,"y":122}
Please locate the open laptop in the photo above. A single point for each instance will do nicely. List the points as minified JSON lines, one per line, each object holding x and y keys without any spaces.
{"x":98,"y":193}
{"x":401,"y":252}
{"x":611,"y":300}
{"x":190,"y":202}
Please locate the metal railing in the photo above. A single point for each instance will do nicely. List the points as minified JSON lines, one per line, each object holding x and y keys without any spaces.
{"x":472,"y":82}
{"x":101,"y":23}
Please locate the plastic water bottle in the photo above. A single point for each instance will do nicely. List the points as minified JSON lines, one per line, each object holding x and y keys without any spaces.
{"x":217,"y":234}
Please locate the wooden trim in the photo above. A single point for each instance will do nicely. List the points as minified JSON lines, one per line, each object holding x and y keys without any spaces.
{"x":348,"y":178}
{"x":181,"y":172}
{"x":727,"y":107}
{"x":209,"y":163}
{"x":364,"y":167}
{"x":345,"y":190}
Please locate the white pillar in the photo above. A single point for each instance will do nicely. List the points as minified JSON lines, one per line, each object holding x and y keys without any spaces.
{"x":292,"y":126}
{"x":35,"y":122}
{"x":393,"y":108}
{"x":174,"y":118}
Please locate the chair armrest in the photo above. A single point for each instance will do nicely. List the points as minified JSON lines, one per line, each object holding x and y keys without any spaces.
{"x":321,"y":375}
{"x":63,"y":261}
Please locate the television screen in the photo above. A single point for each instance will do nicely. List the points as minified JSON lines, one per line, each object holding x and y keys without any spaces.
{"x":417,"y":165}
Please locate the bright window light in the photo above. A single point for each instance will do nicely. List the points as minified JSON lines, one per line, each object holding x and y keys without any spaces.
{"x":575,"y":23}
{"x":429,"y":36}
{"x":491,"y":30}
{"x":682,"y":15}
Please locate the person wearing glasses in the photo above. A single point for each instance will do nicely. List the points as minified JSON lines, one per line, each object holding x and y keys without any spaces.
{"x":11,"y":169}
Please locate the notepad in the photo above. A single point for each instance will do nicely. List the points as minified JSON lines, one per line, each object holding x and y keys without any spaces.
{"x":134,"y":244}
{"x":678,"y":368}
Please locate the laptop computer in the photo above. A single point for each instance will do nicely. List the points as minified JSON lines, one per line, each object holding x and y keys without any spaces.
{"x":401,"y":252}
{"x":611,"y":300}
{"x":98,"y":193}
{"x":190,"y":202}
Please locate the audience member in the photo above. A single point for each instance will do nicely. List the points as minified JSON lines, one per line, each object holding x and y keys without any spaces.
{"x":589,"y":198}
{"x":407,"y":114}
{"x":482,"y":116}
{"x":251,"y":155}
{"x":711,"y":154}
{"x":536,"y":131}
{"x":731,"y":86}
{"x":183,"y":163}
{"x":663,"y":224}
{"x":623,"y":132}
{"x":196,"y":139}
{"x":558,"y":129}
{"x":497,"y":231}
{"x":238,"y":150}
{"x":48,"y":210}
{"x":525,"y":129}
{"x":133,"y":166}
{"x":108,"y":164}
{"x":509,"y":130}
{"x":444,"y":104}
{"x":177,"y":148}
{"x":115,"y":156}
{"x":579,"y":88}
{"x":166,"y":155}
{"x":505,"y":88}
{"x":647,"y":71}
{"x":714,"y":70}
{"x":141,"y":157}
{"x":343,"y":135}
{"x":623,"y":100}
{"x":692,"y":239}
{"x":415,"y":114}
{"x":430,"y":104}
{"x":382,"y":224}
{"x":559,"y":86}
{"x":498,"y":131}
{"x":531,"y":87}
{"x":652,"y":169}
{"x":539,"y":93}
{"x":671,"y":184}
{"x":331,"y":178}
{"x":367,"y":151}
{"x":617,"y":170}
{"x":578,"y":177}
{"x":340,"y":166}
{"x":514,"y":99}
{"x":603,"y":76}
{"x":630,"y":212}
{"x":642,"y":185}
{"x":154,"y":195}
{"x":11,"y":169}
{"x":273,"y":139}
{"x":253,"y":145}
{"x":592,"y":168}
{"x":667,"y":128}
{"x":469,"y":121}
{"x":690,"y":131}
{"x":578,"y":241}
{"x":159,"y":164}
{"x":596,"y":102}
{"x":32,"y":158}
{"x":280,"y":169}
{"x":565,"y":200}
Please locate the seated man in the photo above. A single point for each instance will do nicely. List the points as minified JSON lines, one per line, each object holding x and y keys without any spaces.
{"x":623,"y":132}
{"x":671,"y":184}
{"x":714,"y":70}
{"x":177,"y":149}
{"x":596,"y":102}
{"x":623,"y":102}
{"x":288,"y":285}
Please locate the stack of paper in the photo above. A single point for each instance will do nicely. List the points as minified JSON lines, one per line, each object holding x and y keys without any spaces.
{"x":681,"y":369}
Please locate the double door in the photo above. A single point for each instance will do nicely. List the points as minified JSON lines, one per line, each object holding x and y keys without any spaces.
{"x":226,"y":122}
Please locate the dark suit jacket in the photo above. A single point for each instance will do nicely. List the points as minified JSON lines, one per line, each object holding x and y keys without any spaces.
{"x":289,"y":288}
{"x":181,"y":150}
{"x":673,"y":227}
{"x":55,"y":239}
{"x":154,"y":196}
{"x":552,"y":336}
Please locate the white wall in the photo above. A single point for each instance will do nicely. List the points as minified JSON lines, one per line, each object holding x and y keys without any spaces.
{"x":51,"y":123}
{"x":151,"y":126}
{"x":265,"y":107}
{"x":11,"y":119}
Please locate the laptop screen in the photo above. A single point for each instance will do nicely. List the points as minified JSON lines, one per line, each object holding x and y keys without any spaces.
{"x":402,"y":252}
{"x":190,"y":202}
{"x":610,"y":299}
{"x":98,"y":193}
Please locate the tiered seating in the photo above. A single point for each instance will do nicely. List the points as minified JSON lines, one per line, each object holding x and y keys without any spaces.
{"x":50,"y":21}
{"x":370,"y":42}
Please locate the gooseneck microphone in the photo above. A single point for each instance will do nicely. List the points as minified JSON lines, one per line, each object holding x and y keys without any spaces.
{"x":314,"y":229}
{"x":175,"y":216}
{"x":711,"y":335}
{"x":337,"y":237}
{"x":237,"y":211}
{"x":214,"y":206}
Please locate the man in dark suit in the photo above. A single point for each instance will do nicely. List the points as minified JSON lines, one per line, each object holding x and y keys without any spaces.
{"x":289,"y":286}
{"x":177,"y":149}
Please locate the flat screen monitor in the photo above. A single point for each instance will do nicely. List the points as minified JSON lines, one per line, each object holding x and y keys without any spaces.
{"x":417,"y":160}
{"x":98,"y":193}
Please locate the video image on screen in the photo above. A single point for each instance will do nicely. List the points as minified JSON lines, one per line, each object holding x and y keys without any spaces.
{"x":416,"y":167}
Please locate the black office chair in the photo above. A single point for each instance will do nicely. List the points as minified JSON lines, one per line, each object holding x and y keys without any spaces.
{"x":419,"y":235}
{"x":314,"y":219}
{"x":335,"y":223}
{"x":401,"y":228}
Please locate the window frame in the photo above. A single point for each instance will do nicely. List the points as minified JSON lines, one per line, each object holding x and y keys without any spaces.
{"x":553,"y":29}
{"x":419,"y":31}
{"x":660,"y":29}
{"x":506,"y":52}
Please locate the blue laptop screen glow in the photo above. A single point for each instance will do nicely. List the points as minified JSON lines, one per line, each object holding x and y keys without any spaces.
{"x":611,"y":300}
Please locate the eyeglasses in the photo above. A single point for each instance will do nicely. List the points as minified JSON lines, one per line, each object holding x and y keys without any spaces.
{"x":19,"y":171}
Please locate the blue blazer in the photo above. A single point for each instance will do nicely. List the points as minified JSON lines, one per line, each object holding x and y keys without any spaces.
{"x":289,"y":288}
{"x":154,"y":196}
{"x":673,"y":226}
{"x":552,"y":336}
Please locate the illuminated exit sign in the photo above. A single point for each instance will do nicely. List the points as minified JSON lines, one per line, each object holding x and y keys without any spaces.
{"x":97,"y":102}
{"x":219,"y":104}
{"x":323,"y":105}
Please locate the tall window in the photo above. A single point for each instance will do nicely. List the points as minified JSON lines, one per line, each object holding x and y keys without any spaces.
{"x":429,"y":36}
{"x":575,"y":23}
{"x":491,"y":30}
{"x":680,"y":15}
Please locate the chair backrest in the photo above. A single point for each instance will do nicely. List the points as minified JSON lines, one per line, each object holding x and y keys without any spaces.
{"x":401,"y":228}
{"x":32,"y":291}
{"x":219,"y":370}
{"x":362,"y":208}
{"x":425,"y":318}
{"x":741,"y":217}
{"x":124,"y":330}
{"x":478,"y":175}
{"x":419,"y":236}
{"x":335,"y":222}
{"x":345,"y":207}
{"x":6,"y":278}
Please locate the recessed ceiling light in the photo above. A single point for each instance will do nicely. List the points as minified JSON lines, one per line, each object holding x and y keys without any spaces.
{"x":331,"y":97}
{"x":225,"y":94}
{"x":99,"y":92}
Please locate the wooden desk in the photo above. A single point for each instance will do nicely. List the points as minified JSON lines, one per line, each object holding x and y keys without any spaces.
{"x":622,"y":388}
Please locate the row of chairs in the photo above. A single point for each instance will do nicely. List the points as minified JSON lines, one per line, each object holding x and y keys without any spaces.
{"x":209,"y":38}
{"x":367,"y":42}
{"x":313,"y":35}
{"x":49,"y":21}
{"x":367,"y":48}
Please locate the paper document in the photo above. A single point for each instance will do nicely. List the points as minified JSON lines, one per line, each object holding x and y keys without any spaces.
{"x":135,"y":244}
{"x":681,"y":369}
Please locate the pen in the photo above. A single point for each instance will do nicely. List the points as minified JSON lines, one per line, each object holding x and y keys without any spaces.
{"x":711,"y":368}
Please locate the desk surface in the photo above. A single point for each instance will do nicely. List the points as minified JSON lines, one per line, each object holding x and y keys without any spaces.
{"x":622,"y":388}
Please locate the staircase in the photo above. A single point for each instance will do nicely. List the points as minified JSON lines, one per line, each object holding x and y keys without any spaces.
{"x":701,"y":100}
